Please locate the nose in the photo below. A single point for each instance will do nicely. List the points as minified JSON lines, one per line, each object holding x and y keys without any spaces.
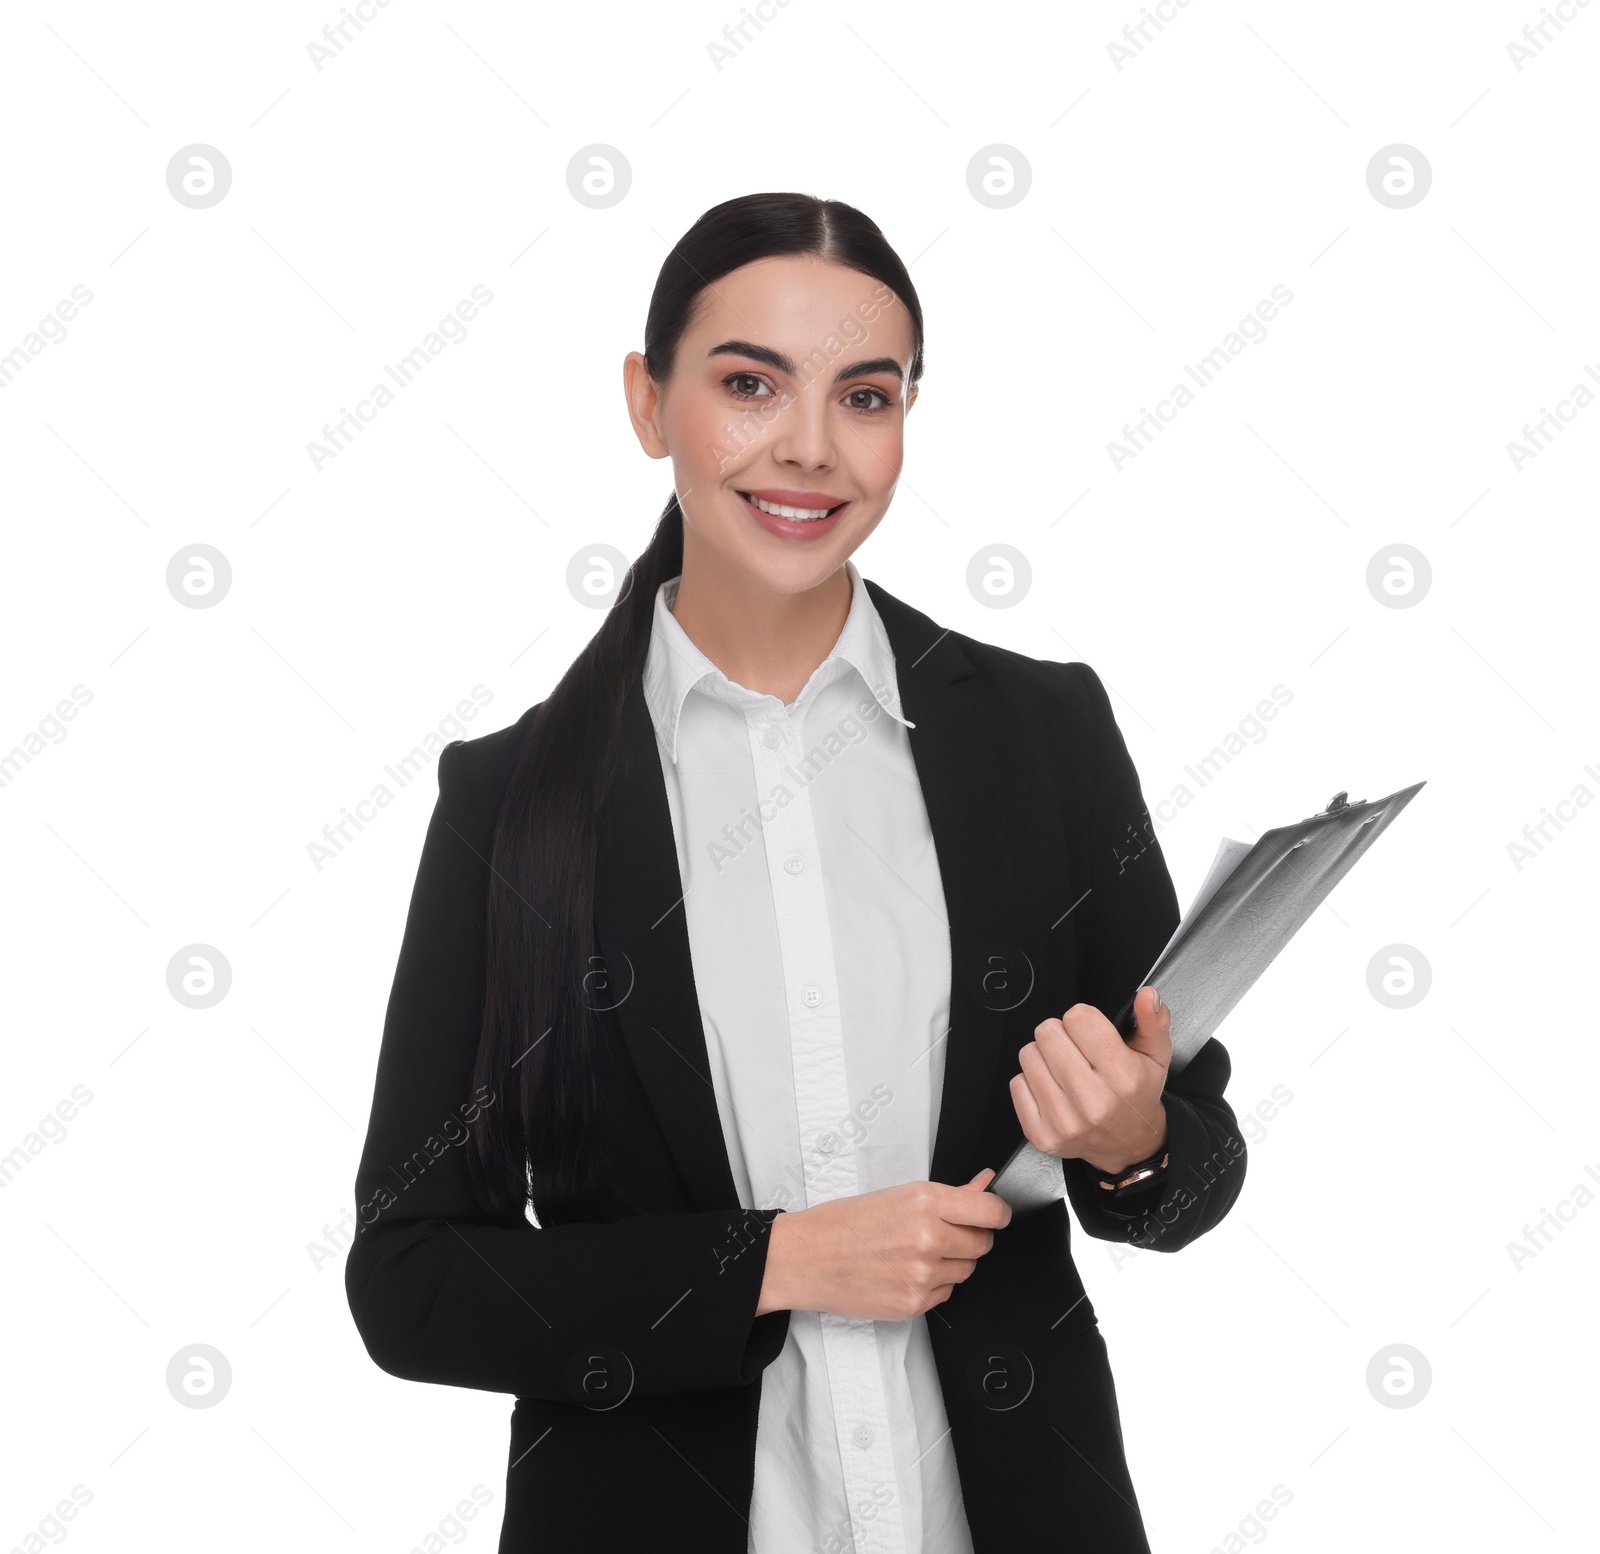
{"x":803,"y":436}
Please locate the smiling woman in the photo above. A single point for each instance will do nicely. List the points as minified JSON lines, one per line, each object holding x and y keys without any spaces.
{"x":777,"y":850}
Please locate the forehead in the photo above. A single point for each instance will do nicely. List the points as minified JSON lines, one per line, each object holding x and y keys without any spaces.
{"x":794,"y":302}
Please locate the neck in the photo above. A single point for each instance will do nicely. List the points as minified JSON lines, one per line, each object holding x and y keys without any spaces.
{"x":764,"y":640}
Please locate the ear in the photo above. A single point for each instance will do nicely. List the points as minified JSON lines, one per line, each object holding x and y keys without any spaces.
{"x":911,"y":397}
{"x":644,"y":405}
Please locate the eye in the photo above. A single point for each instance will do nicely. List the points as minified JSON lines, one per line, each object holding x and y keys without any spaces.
{"x":746,"y":385}
{"x":854,"y":399}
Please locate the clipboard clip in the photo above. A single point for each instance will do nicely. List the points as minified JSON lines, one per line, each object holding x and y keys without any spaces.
{"x":1340,"y":800}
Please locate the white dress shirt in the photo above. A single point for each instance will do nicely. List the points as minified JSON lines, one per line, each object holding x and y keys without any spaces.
{"x":821,"y":955}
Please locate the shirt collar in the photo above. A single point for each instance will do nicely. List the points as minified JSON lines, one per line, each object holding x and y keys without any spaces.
{"x":674,"y":666}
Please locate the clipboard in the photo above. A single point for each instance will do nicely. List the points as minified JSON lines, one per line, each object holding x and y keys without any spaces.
{"x":1252,"y":903}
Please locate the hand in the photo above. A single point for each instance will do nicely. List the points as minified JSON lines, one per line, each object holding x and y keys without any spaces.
{"x":887,"y":1255}
{"x":1085,"y":1094}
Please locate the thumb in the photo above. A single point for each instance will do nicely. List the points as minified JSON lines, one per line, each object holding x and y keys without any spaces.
{"x":1153,"y":1030}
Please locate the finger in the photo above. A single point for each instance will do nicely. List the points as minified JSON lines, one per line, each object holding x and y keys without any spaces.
{"x":963,"y":1207}
{"x":987,"y":1171}
{"x":1041,"y":1133}
{"x":1100,"y":1044}
{"x":1065,"y":1103}
{"x":1153,"y":1035}
{"x":1065,"y":1053}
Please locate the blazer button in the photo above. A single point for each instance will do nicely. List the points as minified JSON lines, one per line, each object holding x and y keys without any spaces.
{"x":863,"y":1436}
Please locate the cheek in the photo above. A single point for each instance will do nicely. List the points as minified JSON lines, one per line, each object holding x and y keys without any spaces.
{"x":873,"y":454}
{"x":697,"y":432}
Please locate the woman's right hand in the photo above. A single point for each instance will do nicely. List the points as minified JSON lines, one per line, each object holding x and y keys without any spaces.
{"x":888,"y":1255}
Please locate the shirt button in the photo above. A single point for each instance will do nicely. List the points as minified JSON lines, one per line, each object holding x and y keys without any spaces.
{"x":794,"y":863}
{"x":827,"y":1142}
{"x":863,"y":1436}
{"x":811,"y":996}
{"x":772,"y":737}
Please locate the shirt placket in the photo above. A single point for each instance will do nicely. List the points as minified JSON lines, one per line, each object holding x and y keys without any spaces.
{"x":823,"y":1102}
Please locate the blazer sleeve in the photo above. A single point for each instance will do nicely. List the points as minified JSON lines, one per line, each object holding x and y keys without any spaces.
{"x":1132,"y":911}
{"x":444,"y":1291}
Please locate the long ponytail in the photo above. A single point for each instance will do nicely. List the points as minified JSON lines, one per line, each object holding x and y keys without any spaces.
{"x":536,"y":1052}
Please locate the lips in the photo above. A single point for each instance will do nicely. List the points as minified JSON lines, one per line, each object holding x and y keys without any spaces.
{"x":795,"y":506}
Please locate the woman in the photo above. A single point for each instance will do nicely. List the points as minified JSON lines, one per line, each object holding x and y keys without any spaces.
{"x":747,"y":956}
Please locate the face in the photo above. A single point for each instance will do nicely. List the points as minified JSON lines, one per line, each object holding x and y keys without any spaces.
{"x":784,"y":418}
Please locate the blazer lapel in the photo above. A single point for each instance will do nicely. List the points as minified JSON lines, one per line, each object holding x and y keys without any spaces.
{"x":642,"y":928}
{"x":957,"y":745}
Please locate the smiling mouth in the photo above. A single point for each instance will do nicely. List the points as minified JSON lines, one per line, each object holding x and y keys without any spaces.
{"x":795,"y":514}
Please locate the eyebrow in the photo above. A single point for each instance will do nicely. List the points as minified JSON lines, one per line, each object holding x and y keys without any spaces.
{"x":782,"y":363}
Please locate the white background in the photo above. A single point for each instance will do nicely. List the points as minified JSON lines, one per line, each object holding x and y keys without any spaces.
{"x":1168,"y":197}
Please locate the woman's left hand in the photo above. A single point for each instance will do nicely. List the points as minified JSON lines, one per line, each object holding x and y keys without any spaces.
{"x":1086,"y":1094}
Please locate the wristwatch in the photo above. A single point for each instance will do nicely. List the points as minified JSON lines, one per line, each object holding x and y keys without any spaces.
{"x":1134,"y":1178}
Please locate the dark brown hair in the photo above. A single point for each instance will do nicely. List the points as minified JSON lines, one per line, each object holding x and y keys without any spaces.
{"x":535,"y":1140}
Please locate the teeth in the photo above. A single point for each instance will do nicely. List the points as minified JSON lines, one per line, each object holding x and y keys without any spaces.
{"x":804,"y":514}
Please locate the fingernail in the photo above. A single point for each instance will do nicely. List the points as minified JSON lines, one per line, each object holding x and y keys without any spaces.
{"x":1155,"y":1007}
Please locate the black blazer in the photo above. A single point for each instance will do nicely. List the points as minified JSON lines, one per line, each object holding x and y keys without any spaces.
{"x":647,"y":1305}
